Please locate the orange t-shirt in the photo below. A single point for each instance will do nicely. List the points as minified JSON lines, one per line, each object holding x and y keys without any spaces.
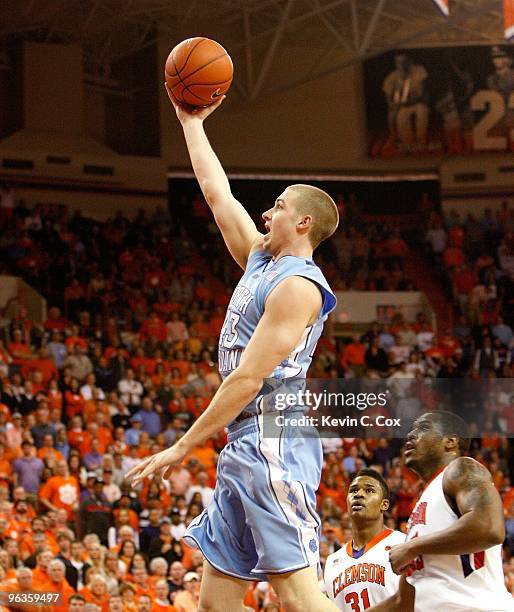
{"x":61,"y":492}
{"x":78,"y":438}
{"x":64,"y":589}
{"x":49,"y":452}
{"x":102,"y":602}
{"x":104,"y":436}
{"x":55,"y":399}
{"x":39,"y":578}
{"x":133,"y":518}
{"x":163,"y":608}
{"x":92,"y":407}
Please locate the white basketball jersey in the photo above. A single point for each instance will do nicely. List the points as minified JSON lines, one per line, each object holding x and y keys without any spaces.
{"x":355,"y":582}
{"x":464,"y":583}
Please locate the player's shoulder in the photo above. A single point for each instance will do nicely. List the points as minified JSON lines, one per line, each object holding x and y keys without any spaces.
{"x":464,"y":471}
{"x":462,"y":466}
{"x":395,"y":537}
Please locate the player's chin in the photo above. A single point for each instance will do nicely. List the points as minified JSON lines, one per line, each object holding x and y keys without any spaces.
{"x":410,"y":460}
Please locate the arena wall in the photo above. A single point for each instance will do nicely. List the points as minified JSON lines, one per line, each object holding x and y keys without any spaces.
{"x":316,"y":126}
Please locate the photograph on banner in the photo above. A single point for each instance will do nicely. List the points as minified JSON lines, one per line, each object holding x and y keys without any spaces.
{"x":450,"y":100}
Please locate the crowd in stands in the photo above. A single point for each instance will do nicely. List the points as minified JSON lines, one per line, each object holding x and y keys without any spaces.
{"x":126,"y":360}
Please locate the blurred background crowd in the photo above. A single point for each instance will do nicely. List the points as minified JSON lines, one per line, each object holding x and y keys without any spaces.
{"x":127,"y":359}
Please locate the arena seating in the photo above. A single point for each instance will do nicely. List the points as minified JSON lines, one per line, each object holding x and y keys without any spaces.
{"x":126,"y":359}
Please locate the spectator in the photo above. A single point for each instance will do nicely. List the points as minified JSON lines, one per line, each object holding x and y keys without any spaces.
{"x":77,"y":562}
{"x":42,"y":426}
{"x":164,"y":545}
{"x":202,"y":487}
{"x":376,"y":357}
{"x":150,"y":420}
{"x":187,"y":600}
{"x":57,"y":583}
{"x":61,"y":491}
{"x":94,"y":458}
{"x":79,"y":363}
{"x":28,"y":469}
{"x":89,"y":388}
{"x":130,"y":389}
{"x":152,"y":531}
{"x":111,"y":490}
{"x":353,"y":356}
{"x":96,"y":513}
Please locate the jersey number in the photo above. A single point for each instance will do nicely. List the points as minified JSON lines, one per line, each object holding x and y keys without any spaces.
{"x":353,"y":600}
{"x":230,"y":333}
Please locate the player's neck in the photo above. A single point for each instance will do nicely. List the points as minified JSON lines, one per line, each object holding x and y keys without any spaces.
{"x":298,"y":247}
{"x":427,"y":472}
{"x":363,"y":534}
{"x":294,"y":250}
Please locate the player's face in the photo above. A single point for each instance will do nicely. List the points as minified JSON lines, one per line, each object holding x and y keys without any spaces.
{"x":280,"y":222}
{"x":423,"y":445}
{"x":365,"y":499}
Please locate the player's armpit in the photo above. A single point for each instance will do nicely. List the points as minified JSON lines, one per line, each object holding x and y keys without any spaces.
{"x":291,"y":307}
{"x":470,"y":485}
{"x":402,"y":601}
{"x":237,"y":228}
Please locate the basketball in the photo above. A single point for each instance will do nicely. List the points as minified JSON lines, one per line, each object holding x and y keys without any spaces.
{"x":198,"y":71}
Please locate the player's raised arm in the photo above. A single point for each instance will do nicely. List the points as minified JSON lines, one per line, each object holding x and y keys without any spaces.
{"x":469,"y":486}
{"x":402,"y":601}
{"x":291,"y":307}
{"x":235,"y":224}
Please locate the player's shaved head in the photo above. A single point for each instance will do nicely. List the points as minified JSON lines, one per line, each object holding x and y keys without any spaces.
{"x":449,"y":424}
{"x":313,"y":201}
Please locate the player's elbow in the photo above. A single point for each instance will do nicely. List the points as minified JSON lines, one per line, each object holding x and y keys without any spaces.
{"x":248,"y":380}
{"x":212,"y":192}
{"x":498,"y":534}
{"x":492,"y":533}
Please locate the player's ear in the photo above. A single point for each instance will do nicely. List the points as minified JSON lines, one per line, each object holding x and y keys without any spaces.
{"x":305,"y":222}
{"x":451,"y":444}
{"x":384,"y":506}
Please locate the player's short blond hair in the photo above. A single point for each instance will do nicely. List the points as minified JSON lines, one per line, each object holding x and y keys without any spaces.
{"x":313,"y":201}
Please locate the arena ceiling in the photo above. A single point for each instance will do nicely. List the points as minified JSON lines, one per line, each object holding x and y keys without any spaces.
{"x":317,"y":37}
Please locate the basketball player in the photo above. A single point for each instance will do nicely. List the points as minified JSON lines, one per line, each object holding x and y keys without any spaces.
{"x":262,"y":521}
{"x":359,"y":575}
{"x":452,"y":556}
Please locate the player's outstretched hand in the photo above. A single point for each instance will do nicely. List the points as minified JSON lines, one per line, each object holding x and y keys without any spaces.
{"x":169,"y":459}
{"x":186,"y":112}
{"x":400,"y":557}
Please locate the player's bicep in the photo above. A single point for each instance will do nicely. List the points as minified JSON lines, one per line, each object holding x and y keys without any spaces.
{"x":289,"y":310}
{"x":237,"y":228}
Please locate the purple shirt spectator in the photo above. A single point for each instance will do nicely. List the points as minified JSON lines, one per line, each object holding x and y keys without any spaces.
{"x":150,"y":420}
{"x":28,"y":470}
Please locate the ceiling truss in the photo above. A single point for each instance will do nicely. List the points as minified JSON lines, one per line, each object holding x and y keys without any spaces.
{"x":258,"y":33}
